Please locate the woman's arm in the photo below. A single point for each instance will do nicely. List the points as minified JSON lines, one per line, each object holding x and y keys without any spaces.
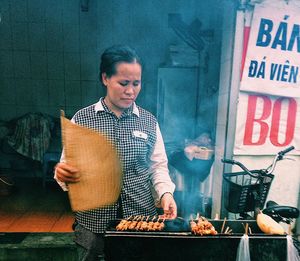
{"x":160,"y":178}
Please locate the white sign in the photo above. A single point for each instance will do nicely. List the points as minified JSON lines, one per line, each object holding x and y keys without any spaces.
{"x":267,"y":124}
{"x":272,"y":64}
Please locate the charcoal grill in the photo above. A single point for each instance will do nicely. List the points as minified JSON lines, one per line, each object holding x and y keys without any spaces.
{"x":177,"y":243}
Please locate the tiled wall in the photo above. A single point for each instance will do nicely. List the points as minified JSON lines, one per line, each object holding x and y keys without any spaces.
{"x":49,"y":49}
{"x":48,"y":62}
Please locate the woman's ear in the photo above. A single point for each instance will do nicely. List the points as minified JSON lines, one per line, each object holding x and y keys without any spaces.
{"x":104,"y":79}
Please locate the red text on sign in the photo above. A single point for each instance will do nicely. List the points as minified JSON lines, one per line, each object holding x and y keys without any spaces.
{"x":269,"y":120}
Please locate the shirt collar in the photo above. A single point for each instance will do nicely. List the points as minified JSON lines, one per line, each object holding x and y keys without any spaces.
{"x":99,"y":107}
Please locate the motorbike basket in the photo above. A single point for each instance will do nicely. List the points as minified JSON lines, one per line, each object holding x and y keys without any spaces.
{"x":242,"y":192}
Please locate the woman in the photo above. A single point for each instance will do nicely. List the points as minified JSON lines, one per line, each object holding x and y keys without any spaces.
{"x":137,"y":138}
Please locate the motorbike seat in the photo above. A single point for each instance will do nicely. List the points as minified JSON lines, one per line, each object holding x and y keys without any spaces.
{"x":280,"y":212}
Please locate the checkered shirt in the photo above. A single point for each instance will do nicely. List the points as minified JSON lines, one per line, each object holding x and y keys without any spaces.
{"x":134,"y":152}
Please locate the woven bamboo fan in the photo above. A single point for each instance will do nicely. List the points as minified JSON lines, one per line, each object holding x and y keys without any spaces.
{"x":98,"y":164}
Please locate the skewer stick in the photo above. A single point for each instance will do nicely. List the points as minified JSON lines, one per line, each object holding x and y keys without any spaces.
{"x":246,"y":228}
{"x":226,"y":230}
{"x":250,"y":231}
{"x":191,"y":217}
{"x":145,"y":225}
{"x":223,"y":225}
{"x":203,"y":218}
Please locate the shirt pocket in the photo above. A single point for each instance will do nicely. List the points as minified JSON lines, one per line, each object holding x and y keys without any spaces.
{"x":139,"y":135}
{"x":140,"y":142}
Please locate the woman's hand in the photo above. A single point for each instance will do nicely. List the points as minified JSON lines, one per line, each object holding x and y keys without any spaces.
{"x":169,"y":206}
{"x":66,"y":173}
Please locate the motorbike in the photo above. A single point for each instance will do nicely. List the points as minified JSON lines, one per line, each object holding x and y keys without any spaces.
{"x":245,"y":193}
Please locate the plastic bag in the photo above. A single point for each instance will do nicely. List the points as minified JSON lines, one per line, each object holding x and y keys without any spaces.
{"x":292,"y":252}
{"x":243,"y":251}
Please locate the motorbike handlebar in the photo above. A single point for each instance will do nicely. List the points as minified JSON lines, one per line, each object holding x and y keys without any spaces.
{"x":269,"y":170}
{"x":241,"y":165}
{"x":229,"y":161}
{"x":283,"y":152}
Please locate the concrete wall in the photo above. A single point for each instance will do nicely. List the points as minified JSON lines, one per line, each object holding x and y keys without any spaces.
{"x":224,"y":99}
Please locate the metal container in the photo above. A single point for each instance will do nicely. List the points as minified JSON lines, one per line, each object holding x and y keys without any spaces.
{"x":176,"y":242}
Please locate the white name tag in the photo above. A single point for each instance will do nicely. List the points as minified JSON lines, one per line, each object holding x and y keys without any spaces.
{"x":139,"y":134}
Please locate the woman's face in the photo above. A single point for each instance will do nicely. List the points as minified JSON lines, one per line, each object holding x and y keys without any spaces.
{"x":123,"y":87}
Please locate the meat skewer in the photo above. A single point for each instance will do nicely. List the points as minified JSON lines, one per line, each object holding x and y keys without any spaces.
{"x":144,"y":224}
{"x":161,"y":225}
{"x":158,"y":225}
{"x":134,"y":223}
{"x":202,"y":227}
{"x":193,"y":226}
{"x":122,"y":223}
{"x":151,"y":224}
{"x":139,"y":224}
{"x":128,"y":223}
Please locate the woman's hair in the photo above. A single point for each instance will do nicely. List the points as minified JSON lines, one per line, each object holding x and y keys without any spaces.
{"x":114,"y":55}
